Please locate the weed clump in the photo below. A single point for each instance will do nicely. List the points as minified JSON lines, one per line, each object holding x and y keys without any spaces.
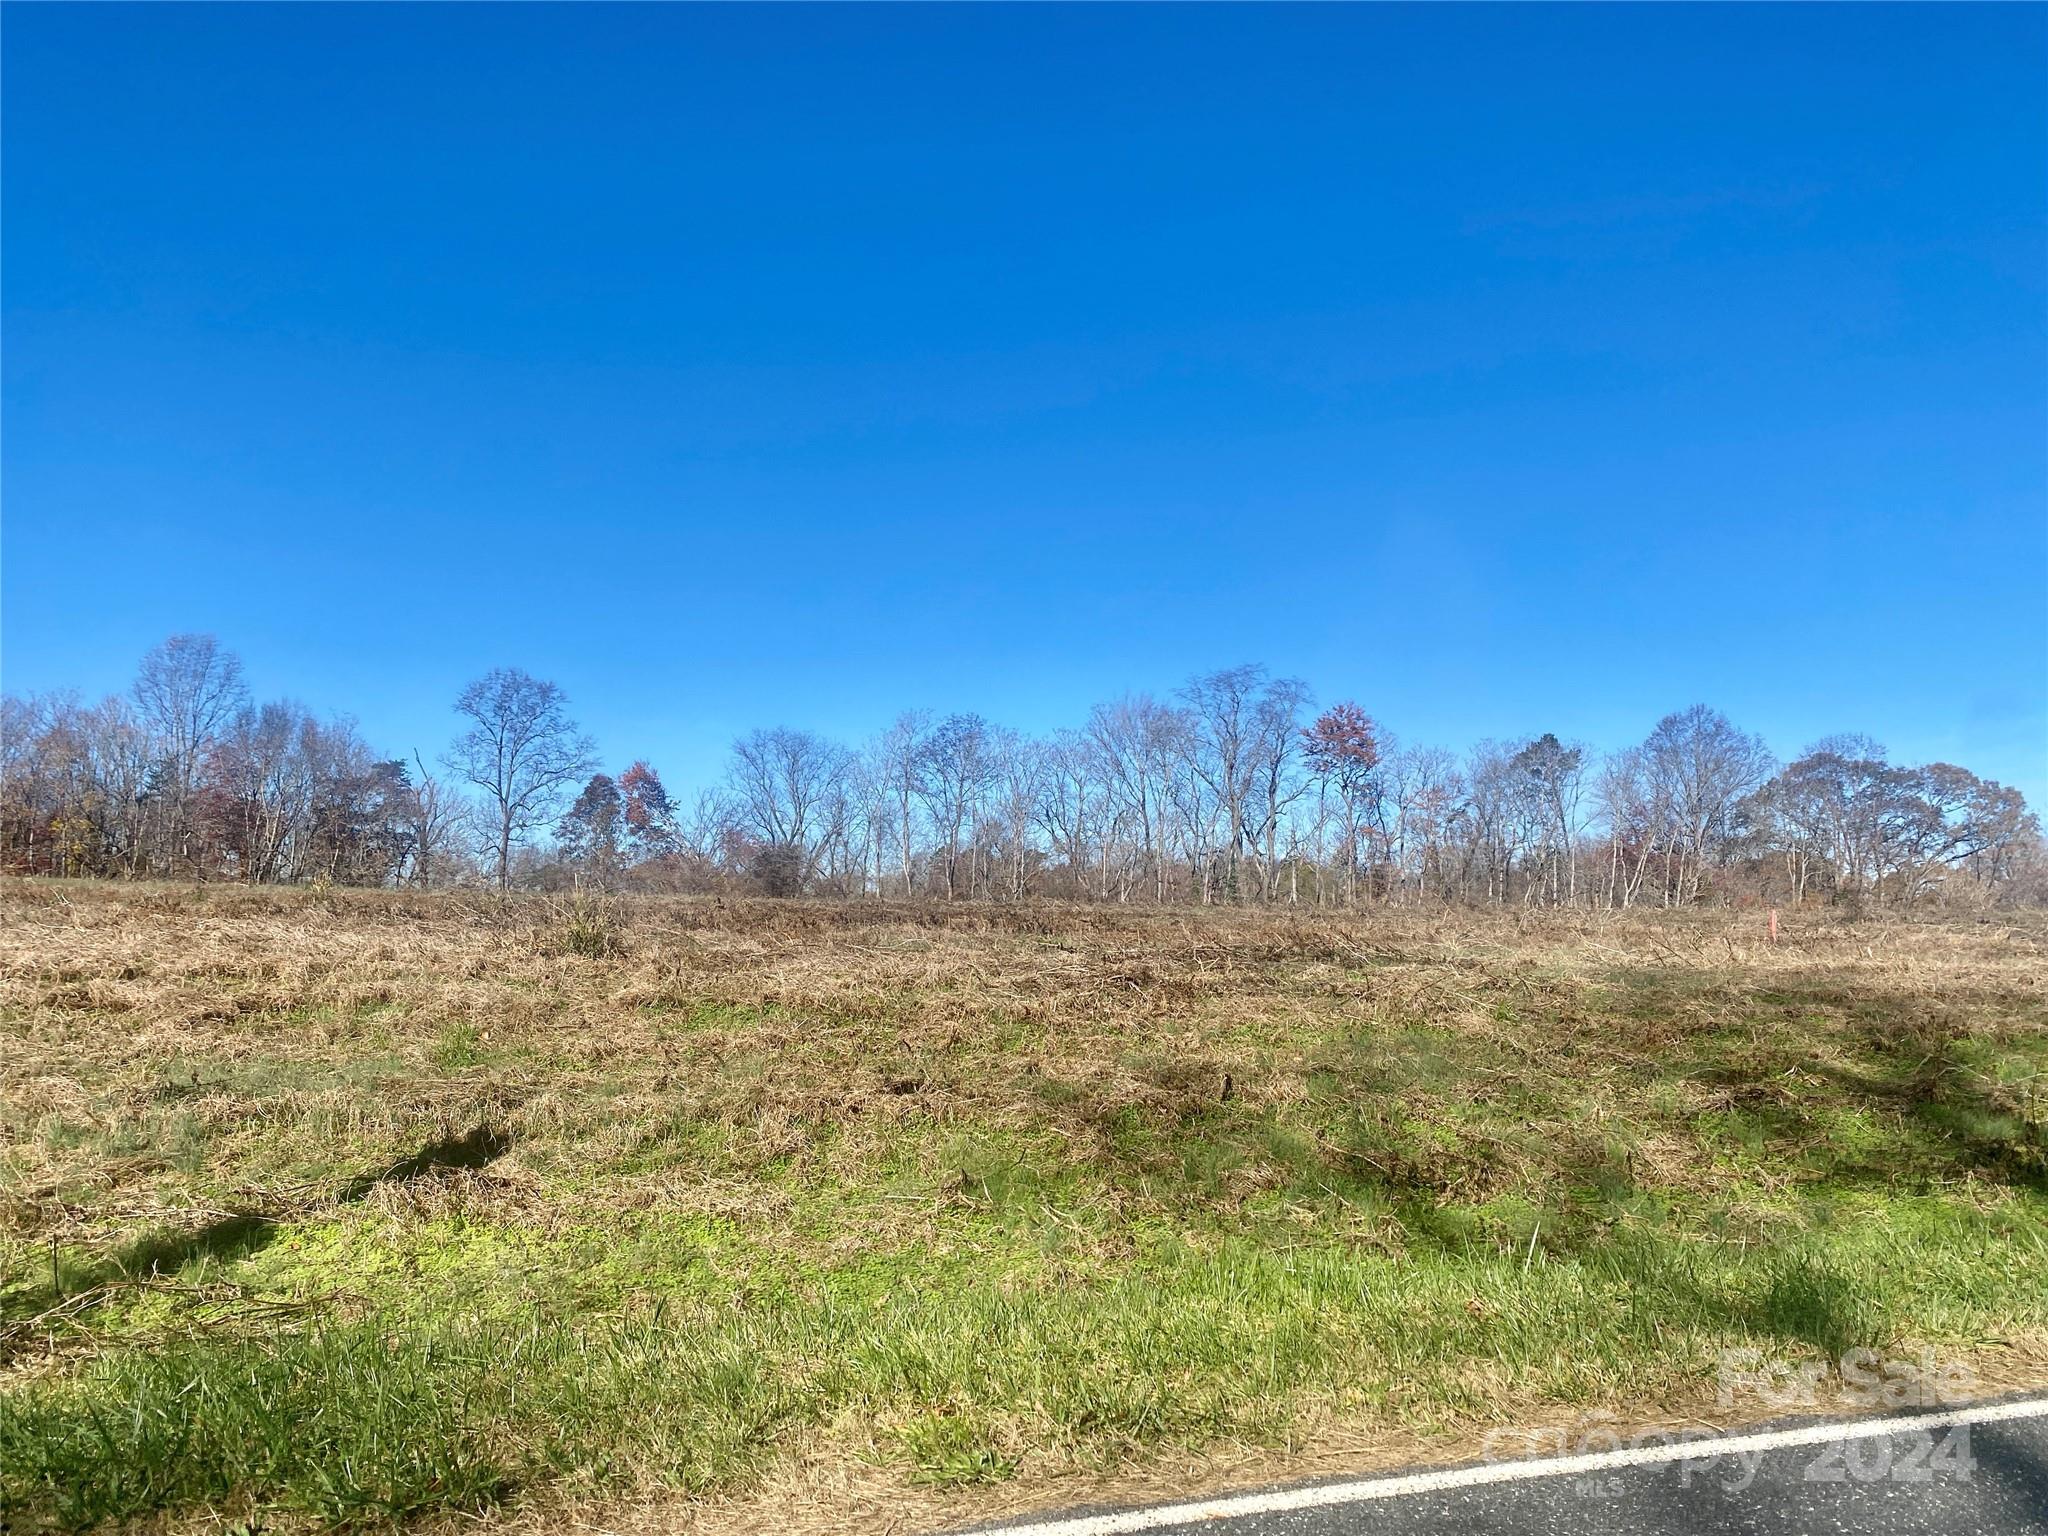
{"x":588,"y":922}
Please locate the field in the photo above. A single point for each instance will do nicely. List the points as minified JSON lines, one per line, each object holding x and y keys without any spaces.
{"x":355,"y":1207}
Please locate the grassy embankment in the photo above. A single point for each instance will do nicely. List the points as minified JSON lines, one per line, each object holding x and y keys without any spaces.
{"x":361,"y":1207}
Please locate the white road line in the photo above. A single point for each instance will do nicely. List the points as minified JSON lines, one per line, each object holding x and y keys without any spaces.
{"x":1162,"y":1515}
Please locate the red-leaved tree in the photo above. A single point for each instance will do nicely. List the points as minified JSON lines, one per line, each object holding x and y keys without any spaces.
{"x":1343,"y":750}
{"x":650,"y":818}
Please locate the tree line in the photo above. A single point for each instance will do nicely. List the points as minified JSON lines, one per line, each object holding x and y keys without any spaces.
{"x":1233,"y":788}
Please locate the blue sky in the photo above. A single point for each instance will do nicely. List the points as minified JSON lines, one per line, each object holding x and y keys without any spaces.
{"x":1506,"y":370}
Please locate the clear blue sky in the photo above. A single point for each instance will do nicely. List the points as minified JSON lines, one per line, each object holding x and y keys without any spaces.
{"x":1505,"y":370}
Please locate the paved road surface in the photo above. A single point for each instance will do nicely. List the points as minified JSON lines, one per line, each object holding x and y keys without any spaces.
{"x":1980,"y":1470}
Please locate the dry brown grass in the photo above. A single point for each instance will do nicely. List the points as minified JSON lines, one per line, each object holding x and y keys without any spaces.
{"x":856,"y":1016}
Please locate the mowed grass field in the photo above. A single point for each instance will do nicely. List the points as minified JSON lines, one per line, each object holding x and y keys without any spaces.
{"x":360,"y":1207}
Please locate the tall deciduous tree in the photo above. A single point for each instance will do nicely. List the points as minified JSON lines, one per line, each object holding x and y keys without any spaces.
{"x":896,"y":758}
{"x":1275,"y":780}
{"x":1702,"y":767}
{"x":1225,"y":709}
{"x":1629,"y":802}
{"x":188,"y":691}
{"x":589,"y":830}
{"x":789,"y":792}
{"x":1343,"y":752}
{"x":1554,"y":775}
{"x":649,"y":813}
{"x":433,"y":818}
{"x":1136,"y":742}
{"x":956,"y":768}
{"x":521,"y":751}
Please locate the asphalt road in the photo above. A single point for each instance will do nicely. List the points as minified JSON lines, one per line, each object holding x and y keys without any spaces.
{"x":1980,"y":1469}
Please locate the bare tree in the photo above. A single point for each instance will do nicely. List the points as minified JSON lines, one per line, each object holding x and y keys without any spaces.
{"x":260,"y":791}
{"x":1274,"y":779}
{"x":188,"y":690}
{"x":788,"y":791}
{"x":956,"y":769}
{"x":1429,"y":802}
{"x":1702,"y":767}
{"x":1495,"y":825}
{"x":1020,"y":779}
{"x":1225,"y":707}
{"x":433,"y":817}
{"x":1832,"y":813}
{"x":895,"y":762}
{"x":1137,"y":741}
{"x":1943,"y":816}
{"x":521,"y":751}
{"x":1629,"y":804}
{"x":1554,"y":774}
{"x":1069,"y":804}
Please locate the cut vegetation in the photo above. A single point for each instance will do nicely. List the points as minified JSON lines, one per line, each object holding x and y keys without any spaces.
{"x":332,"y":1208}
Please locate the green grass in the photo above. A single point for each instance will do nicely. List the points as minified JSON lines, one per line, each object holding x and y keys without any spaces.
{"x":683,"y":1355}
